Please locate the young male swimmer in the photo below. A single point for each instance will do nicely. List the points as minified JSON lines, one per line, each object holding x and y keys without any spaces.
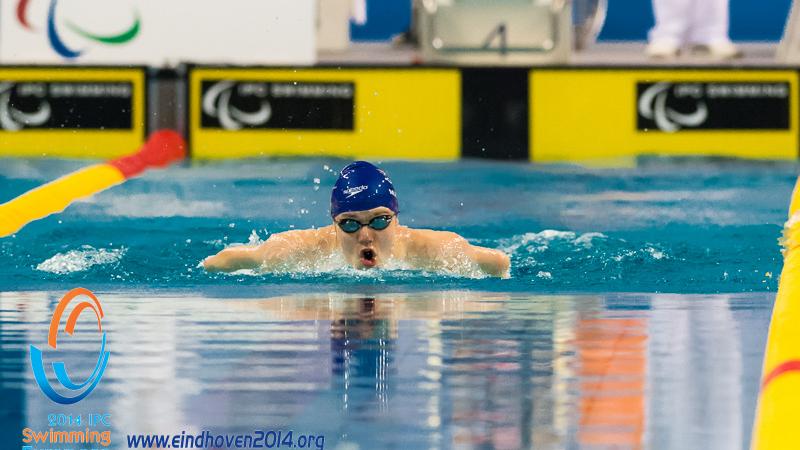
{"x":367,"y":233}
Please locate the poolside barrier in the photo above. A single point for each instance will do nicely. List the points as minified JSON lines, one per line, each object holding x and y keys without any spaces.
{"x":161,"y":149}
{"x":779,"y":401}
{"x":91,"y":112}
{"x":539,"y":114}
{"x":595,"y":115}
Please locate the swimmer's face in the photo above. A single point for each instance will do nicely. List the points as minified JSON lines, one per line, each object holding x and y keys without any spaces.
{"x":367,"y":247}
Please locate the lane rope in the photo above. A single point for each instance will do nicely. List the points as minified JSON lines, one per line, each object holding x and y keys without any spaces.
{"x":163,"y":148}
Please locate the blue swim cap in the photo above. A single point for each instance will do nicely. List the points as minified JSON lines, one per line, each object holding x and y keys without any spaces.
{"x":362,"y":186}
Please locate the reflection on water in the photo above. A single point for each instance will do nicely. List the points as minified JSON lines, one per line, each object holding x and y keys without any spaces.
{"x":422,"y":370}
{"x":611,"y":359}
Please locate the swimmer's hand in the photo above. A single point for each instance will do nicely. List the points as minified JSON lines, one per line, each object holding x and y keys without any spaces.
{"x":492,"y":262}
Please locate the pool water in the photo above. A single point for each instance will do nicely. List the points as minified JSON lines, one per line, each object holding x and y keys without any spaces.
{"x":664,"y":227}
{"x":635,"y":316}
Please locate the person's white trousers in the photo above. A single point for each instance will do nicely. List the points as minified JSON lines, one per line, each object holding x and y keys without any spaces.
{"x":690,"y":21}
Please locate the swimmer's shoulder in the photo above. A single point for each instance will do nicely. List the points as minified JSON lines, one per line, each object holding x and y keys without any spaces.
{"x":323,"y":238}
{"x":424,"y":234}
{"x":423,"y":241}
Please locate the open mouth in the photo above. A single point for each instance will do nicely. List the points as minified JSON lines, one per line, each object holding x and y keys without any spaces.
{"x":368,"y":257}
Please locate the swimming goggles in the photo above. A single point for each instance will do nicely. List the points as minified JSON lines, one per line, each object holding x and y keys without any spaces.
{"x":377,"y":223}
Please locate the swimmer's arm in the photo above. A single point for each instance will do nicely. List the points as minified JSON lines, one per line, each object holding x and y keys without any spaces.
{"x":280,"y":249}
{"x":443,"y":246}
{"x":232,"y":259}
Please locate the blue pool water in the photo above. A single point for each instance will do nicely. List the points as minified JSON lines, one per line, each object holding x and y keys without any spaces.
{"x":665,"y":227}
{"x":635,"y":317}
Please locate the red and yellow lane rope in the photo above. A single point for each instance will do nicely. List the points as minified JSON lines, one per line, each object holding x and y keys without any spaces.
{"x":777,"y":424}
{"x":161,"y":149}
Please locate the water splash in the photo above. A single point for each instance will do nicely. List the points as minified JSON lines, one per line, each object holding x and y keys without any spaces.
{"x":541,"y":241}
{"x":335,"y":267}
{"x":554,"y":256}
{"x":158,"y":205}
{"x":255,"y":237}
{"x":80,"y":260}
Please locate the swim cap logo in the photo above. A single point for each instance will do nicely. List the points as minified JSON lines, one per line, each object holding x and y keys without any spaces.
{"x":355,"y":190}
{"x":653,"y":106}
{"x":37,"y":362}
{"x":217,"y":103}
{"x":57,"y":42}
{"x":12,"y":119}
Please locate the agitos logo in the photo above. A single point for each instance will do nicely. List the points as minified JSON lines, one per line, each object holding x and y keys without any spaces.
{"x":54,"y":35}
{"x":13,"y":119}
{"x":217,"y":103}
{"x":37,"y":362}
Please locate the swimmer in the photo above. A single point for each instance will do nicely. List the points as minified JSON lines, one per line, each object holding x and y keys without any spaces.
{"x":366,"y":232}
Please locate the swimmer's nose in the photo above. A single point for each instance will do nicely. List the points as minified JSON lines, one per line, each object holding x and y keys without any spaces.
{"x":365,"y":236}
